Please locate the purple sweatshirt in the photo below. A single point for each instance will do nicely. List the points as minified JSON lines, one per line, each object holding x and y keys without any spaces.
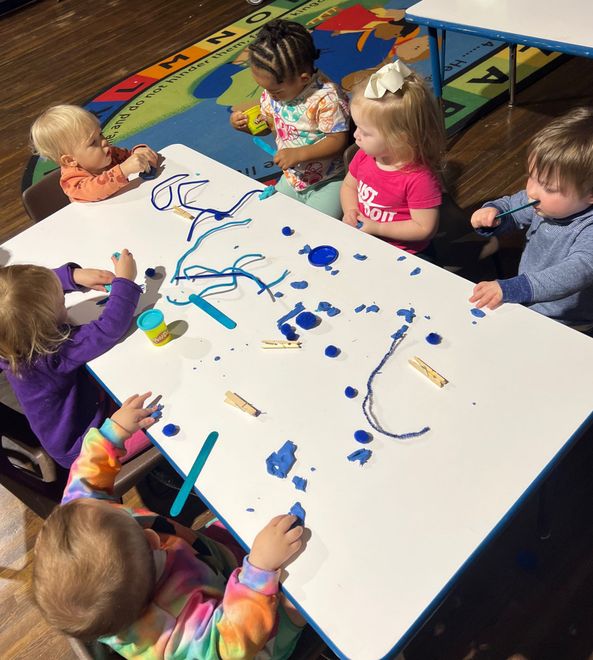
{"x":58,"y":396}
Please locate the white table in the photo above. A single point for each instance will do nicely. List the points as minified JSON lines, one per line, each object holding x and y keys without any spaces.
{"x":564,"y":28}
{"x":386,"y":539}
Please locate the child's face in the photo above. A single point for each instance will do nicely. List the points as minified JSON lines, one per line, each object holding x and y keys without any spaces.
{"x":552,"y":202}
{"x":367,"y":136}
{"x":92,"y":154}
{"x":284,"y":91}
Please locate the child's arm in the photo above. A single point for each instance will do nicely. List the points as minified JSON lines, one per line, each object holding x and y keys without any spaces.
{"x":422,"y":226}
{"x":333,"y":144}
{"x":93,"y":473}
{"x":349,"y":201}
{"x":485,"y":223}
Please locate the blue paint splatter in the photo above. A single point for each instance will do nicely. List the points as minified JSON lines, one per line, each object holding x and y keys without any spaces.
{"x":478,"y":313}
{"x":359,"y":257}
{"x":402,"y":257}
{"x":327,"y":307}
{"x":278,"y":294}
{"x":328,"y":268}
{"x":170,"y":430}
{"x":249,"y":509}
{"x":474,"y":323}
{"x":334,"y":272}
{"x":362,"y":436}
{"x":434,"y":338}
{"x":359,"y":308}
{"x":287,"y":231}
{"x":289,"y":332}
{"x":300,"y":483}
{"x":313,"y":469}
{"x":280,"y":462}
{"x":332,"y":351}
{"x":303,"y":284}
{"x":297,"y":309}
{"x":216,"y":358}
{"x":360,"y":455}
{"x":297,"y":510}
{"x":400,"y":333}
{"x":427,"y":317}
{"x":268,"y":191}
{"x":408,"y":314}
{"x":373,"y":308}
{"x":351,"y":392}
{"x":305,"y":249}
{"x":307,"y":320}
{"x":416,"y":271}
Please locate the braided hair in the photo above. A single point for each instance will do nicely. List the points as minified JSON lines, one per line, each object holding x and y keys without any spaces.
{"x":283,"y":48}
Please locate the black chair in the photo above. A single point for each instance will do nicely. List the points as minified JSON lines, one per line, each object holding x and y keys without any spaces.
{"x":44,"y":197}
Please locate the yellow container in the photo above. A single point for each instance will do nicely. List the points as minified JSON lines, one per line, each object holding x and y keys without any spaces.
{"x":152,"y":323}
{"x":256,"y":122}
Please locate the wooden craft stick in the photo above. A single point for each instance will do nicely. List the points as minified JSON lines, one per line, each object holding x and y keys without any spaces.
{"x":428,"y":371}
{"x":235,"y":400}
{"x":183,"y":213}
{"x":279,"y":343}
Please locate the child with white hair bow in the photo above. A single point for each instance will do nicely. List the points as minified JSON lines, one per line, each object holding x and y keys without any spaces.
{"x":392,"y":188}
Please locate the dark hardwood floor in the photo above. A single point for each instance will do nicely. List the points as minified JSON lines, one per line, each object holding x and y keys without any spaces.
{"x":522,"y":595}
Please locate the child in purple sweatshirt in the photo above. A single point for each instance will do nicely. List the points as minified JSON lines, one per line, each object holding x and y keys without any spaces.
{"x":44,"y":356}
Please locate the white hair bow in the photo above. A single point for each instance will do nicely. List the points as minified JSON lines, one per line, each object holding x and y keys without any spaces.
{"x":388,"y":78}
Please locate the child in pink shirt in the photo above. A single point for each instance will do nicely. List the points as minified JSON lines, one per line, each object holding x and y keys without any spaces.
{"x":92,"y":169}
{"x":392,"y":190}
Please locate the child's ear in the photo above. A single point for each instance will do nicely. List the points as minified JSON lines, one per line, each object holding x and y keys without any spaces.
{"x":66,"y":160}
{"x":305,"y":77}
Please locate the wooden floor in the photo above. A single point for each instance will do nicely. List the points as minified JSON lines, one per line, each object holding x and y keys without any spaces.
{"x":523,"y":596}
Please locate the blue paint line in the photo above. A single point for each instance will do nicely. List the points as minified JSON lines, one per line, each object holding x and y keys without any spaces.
{"x":194,"y":473}
{"x":262,"y":144}
{"x":212,"y":311}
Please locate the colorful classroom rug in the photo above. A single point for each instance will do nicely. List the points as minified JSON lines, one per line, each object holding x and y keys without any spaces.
{"x":187,"y":97}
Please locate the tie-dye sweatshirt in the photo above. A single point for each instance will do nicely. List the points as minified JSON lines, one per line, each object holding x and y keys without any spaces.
{"x":204,"y":606}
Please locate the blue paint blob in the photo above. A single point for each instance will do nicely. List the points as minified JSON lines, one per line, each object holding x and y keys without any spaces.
{"x":150,"y":272}
{"x":287,"y":231}
{"x":359,"y":224}
{"x":351,"y":392}
{"x":297,"y":510}
{"x":323,"y":255}
{"x":373,"y":308}
{"x":250,"y":509}
{"x":286,"y":329}
{"x":170,"y":430}
{"x":360,"y":257}
{"x":474,"y":323}
{"x":328,"y":268}
{"x":332,"y":351}
{"x":151,"y":174}
{"x":364,"y":437}
{"x":280,"y":462}
{"x":427,"y":317}
{"x":359,"y":308}
{"x":297,"y":309}
{"x":278,"y":294}
{"x":408,"y":314}
{"x":403,"y":256}
{"x":327,"y":307}
{"x":398,"y":334}
{"x":334,"y":272}
{"x":416,"y":271}
{"x":313,"y":469}
{"x":216,"y":358}
{"x":268,"y":191}
{"x":305,"y":249}
{"x":434,"y":338}
{"x":303,"y":284}
{"x":360,"y":455}
{"x":300,"y":483}
{"x":307,"y":320}
{"x":478,"y":313}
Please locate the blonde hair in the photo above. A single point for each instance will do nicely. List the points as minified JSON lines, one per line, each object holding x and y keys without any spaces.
{"x":30,"y":322}
{"x":409,"y":120}
{"x":93,"y":569}
{"x":562,"y":152}
{"x":60,"y":129}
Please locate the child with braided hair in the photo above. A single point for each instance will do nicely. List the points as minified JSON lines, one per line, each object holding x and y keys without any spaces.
{"x":308,"y":114}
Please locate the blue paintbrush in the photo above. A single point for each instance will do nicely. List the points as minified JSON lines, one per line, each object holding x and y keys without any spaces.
{"x":501,"y":215}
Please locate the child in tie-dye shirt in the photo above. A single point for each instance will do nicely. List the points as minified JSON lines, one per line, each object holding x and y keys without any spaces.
{"x":308,"y":114}
{"x":148,"y":587}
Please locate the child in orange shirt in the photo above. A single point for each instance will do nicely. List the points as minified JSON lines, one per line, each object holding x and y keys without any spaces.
{"x":92,"y":169}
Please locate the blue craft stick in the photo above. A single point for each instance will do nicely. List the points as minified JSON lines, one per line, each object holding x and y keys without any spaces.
{"x":519,"y":208}
{"x":212,"y":311}
{"x":262,"y":144}
{"x":194,"y":473}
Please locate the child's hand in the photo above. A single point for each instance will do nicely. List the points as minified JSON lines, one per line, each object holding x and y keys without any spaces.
{"x":92,"y":278}
{"x":276,"y":543}
{"x":351,"y":217}
{"x":239,"y":120}
{"x":132,"y":416}
{"x":487,"y":294}
{"x":125,"y":266}
{"x":137,"y":162}
{"x":153,"y":157}
{"x":286,"y":158}
{"x":485,"y":217}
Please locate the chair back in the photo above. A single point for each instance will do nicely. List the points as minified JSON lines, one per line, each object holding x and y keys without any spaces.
{"x":45,"y":197}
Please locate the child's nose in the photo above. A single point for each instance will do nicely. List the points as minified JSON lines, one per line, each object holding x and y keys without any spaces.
{"x":532,"y":189}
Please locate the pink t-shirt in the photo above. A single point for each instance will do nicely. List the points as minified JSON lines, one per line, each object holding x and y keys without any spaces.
{"x":388,"y":196}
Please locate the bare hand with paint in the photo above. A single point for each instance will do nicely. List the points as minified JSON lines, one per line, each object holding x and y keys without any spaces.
{"x":485,"y":217}
{"x":352,"y":217}
{"x":133,"y":416}
{"x":125,"y":266}
{"x":92,"y":278}
{"x":286,"y":158}
{"x":487,"y":294}
{"x":276,"y":543}
{"x":139,"y":161}
{"x":239,"y":121}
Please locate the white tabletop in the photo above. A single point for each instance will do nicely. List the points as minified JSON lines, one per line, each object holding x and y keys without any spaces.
{"x":565,"y":27}
{"x":387,"y":538}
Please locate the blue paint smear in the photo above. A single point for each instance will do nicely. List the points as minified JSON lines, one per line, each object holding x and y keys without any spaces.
{"x":300,"y":483}
{"x":297,"y":510}
{"x":313,"y":469}
{"x":474,"y":323}
{"x":359,"y":308}
{"x":303,"y":284}
{"x":251,"y":510}
{"x":360,"y":257}
{"x":334,"y":272}
{"x":427,"y":317}
{"x":327,"y":307}
{"x":278,"y":294}
{"x":362,"y":436}
{"x":297,"y":309}
{"x":307,"y":320}
{"x":328,"y":268}
{"x":416,"y":271}
{"x":403,"y":256}
{"x":478,"y":313}
{"x":305,"y":249}
{"x":280,"y":462}
{"x":360,"y":455}
{"x":216,"y":358}
{"x":289,"y":332}
{"x":400,"y":333}
{"x":373,"y":308}
{"x":434,"y":338}
{"x":408,"y":314}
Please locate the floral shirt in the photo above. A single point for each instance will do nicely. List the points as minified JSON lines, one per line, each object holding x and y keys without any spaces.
{"x":321,"y":109}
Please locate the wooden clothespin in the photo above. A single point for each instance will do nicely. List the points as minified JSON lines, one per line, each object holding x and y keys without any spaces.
{"x":235,"y":400}
{"x":183,"y":213}
{"x":428,"y":371}
{"x":279,"y":343}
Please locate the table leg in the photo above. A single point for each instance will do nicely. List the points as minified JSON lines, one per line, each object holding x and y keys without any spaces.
{"x":512,"y":73}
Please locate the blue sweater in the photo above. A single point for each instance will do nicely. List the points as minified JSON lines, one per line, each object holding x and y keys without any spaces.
{"x":556,"y":269}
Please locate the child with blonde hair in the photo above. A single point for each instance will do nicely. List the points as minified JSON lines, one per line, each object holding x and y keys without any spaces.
{"x":392,"y":189}
{"x":307,"y":113}
{"x":44,"y":356}
{"x":91,"y":169}
{"x":556,"y":269}
{"x":149,"y":587}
